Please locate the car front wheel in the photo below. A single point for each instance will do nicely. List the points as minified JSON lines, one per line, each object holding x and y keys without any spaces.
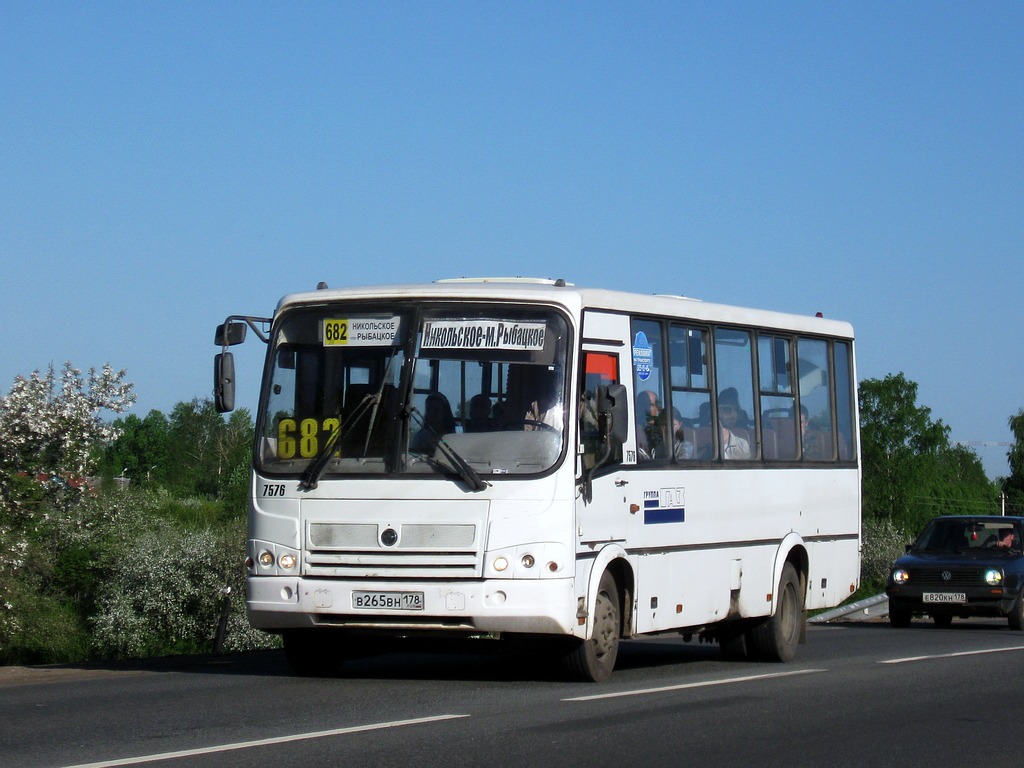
{"x":899,"y":614}
{"x":1016,"y":614}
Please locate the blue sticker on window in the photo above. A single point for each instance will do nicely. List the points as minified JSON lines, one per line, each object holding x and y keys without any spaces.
{"x":642,"y":356}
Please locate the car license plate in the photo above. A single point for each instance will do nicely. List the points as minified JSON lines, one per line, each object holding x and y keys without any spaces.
{"x":944,"y":597}
{"x":392,"y":601}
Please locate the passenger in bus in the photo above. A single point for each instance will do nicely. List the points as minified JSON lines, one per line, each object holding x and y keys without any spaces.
{"x":546,"y":409}
{"x":810,"y":438}
{"x":729,"y":414}
{"x":650,"y":440}
{"x":437,"y":421}
{"x":499,"y":414}
{"x":479,"y":419}
{"x":683,"y":447}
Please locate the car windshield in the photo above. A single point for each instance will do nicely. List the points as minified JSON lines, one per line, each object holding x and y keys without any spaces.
{"x":968,"y":536}
{"x":414,"y":389}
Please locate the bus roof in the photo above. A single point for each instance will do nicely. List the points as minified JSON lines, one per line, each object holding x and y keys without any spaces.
{"x":575,"y":299}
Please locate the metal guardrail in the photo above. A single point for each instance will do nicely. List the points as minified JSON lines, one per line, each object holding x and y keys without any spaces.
{"x":869,"y":607}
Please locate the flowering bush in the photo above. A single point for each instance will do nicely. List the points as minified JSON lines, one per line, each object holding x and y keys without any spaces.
{"x":54,"y":425}
{"x":121,"y":572}
{"x":167,"y":592}
{"x":883,"y":542}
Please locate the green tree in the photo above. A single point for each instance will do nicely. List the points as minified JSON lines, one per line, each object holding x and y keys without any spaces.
{"x":1013,"y":485}
{"x":140,"y":452}
{"x":911,"y":473}
{"x":203,"y":448}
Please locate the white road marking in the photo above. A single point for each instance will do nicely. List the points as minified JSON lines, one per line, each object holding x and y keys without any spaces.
{"x":951,"y":655}
{"x":682,"y":686}
{"x":264,"y":742}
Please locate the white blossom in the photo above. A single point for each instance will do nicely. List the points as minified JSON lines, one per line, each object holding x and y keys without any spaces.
{"x":52,"y":423}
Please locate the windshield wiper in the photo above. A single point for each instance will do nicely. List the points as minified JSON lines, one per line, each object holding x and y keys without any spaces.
{"x":311,"y":476}
{"x":462,"y":467}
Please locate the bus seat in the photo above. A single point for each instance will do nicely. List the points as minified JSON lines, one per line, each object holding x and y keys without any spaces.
{"x":818,"y":445}
{"x":785,"y":436}
{"x":703,"y":447}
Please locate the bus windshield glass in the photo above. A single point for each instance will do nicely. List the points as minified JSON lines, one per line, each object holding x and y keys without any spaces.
{"x":414,"y":388}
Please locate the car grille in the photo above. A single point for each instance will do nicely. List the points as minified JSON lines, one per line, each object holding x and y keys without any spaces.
{"x":958,"y":577}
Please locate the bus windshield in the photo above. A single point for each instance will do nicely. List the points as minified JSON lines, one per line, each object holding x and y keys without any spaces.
{"x":414,"y":388}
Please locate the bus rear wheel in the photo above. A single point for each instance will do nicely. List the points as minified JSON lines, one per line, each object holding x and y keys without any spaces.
{"x":593,"y":660}
{"x":776,"y":638}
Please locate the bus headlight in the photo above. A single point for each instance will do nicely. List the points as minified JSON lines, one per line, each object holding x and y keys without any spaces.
{"x":900,"y":576}
{"x":287,"y":561}
{"x":266,"y":558}
{"x":530,"y":561}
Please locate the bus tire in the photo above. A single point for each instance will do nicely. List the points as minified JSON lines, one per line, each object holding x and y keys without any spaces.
{"x":593,"y":660}
{"x":734,"y":642}
{"x":776,"y":638}
{"x":313,"y":652}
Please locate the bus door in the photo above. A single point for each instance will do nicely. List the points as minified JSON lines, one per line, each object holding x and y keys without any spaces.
{"x":607,"y":512}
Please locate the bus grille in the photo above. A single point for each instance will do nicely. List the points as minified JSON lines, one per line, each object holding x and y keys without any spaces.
{"x":422,"y":550}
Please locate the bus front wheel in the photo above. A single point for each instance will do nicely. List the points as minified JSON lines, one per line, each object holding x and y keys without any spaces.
{"x":593,"y":660}
{"x":776,"y":638}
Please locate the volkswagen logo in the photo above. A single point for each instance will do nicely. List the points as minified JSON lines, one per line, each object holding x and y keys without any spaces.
{"x":389,"y":537}
{"x":946,"y":575}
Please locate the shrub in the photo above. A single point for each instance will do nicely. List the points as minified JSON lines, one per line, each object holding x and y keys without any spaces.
{"x":168,"y":593}
{"x":883,"y":542}
{"x":162,"y":597}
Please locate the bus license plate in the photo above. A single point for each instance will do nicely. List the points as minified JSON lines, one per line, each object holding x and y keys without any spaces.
{"x":391,"y":601}
{"x":944,"y":597}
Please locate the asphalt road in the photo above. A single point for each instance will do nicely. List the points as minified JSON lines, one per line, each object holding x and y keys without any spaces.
{"x":857,"y":694}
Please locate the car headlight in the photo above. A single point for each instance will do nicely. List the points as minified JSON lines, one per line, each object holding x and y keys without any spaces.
{"x":900,"y":576}
{"x":994,"y":576}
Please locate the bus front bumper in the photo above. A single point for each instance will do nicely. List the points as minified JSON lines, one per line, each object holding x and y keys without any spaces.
{"x":539,"y":606}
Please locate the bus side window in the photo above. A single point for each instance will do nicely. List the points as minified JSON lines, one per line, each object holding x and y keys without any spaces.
{"x":648,"y":387}
{"x":815,"y":400}
{"x":690,"y":394}
{"x":845,"y":401}
{"x":734,"y":378}
{"x":778,"y":409}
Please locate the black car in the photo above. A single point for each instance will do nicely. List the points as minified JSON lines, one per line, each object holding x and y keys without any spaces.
{"x":961,"y":566}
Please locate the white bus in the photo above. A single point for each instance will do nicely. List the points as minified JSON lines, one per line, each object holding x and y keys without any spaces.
{"x":520,"y":459}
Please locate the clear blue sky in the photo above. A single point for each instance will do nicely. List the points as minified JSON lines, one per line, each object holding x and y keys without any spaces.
{"x":163,"y":165}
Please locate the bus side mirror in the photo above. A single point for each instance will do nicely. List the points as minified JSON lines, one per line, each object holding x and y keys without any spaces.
{"x":229,"y":334}
{"x":224,"y":380}
{"x":613,"y":412}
